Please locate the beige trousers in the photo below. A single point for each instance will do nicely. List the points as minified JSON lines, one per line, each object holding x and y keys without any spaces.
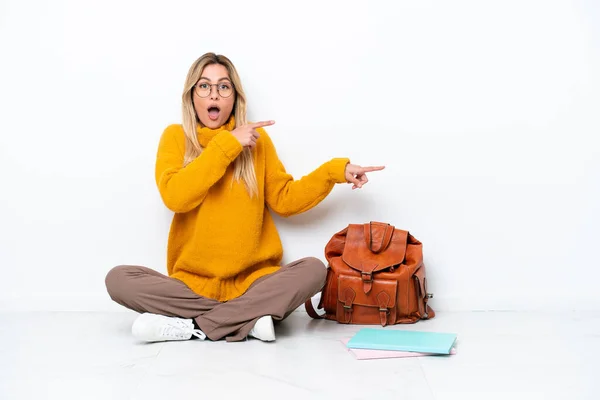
{"x":144,"y":290}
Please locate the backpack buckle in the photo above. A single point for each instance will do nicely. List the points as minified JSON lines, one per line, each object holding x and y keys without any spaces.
{"x":367,"y":277}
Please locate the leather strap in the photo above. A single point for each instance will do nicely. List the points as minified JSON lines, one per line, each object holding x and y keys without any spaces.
{"x":385,"y":239}
{"x":367,"y":277}
{"x":383,"y":300}
{"x":349,"y":296}
{"x":310,"y":310}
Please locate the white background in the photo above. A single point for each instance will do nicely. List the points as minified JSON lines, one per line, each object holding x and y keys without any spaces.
{"x":485,"y":114}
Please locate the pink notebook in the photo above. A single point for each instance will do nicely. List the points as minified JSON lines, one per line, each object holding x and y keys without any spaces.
{"x":361,"y":354}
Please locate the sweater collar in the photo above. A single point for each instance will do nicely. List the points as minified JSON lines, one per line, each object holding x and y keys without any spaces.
{"x":205,"y":135}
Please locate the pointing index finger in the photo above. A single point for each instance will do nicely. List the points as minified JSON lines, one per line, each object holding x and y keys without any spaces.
{"x":371,"y":169}
{"x":261,"y":124}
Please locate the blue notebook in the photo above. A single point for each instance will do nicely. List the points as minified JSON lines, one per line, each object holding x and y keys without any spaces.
{"x":389,"y":339}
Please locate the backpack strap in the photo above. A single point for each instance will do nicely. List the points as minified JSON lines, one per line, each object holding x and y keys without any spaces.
{"x":310,"y":310}
{"x":383,"y":300}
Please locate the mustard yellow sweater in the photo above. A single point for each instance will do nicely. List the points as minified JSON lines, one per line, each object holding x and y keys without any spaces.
{"x":221,"y":240}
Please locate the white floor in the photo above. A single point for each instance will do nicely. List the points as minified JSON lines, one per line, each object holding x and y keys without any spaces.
{"x":500,"y":356}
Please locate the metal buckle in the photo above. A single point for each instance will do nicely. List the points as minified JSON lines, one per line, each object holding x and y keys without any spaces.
{"x":369,"y":276}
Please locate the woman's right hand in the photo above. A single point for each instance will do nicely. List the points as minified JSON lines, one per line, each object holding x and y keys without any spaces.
{"x":247,"y":134}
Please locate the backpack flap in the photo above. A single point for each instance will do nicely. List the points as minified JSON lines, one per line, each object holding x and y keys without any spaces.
{"x":423,"y":296}
{"x":373,"y":247}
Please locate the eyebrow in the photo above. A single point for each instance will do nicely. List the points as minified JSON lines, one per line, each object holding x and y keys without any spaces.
{"x":222,"y":79}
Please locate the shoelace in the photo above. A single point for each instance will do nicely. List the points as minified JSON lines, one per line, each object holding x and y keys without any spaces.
{"x":180,"y":330}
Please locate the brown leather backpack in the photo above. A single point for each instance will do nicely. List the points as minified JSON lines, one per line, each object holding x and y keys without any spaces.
{"x":376,"y":275}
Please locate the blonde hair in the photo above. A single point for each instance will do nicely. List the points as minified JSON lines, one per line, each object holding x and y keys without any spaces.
{"x":243,"y":164}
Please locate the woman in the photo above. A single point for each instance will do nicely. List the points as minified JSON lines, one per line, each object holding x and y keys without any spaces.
{"x":218,"y":173}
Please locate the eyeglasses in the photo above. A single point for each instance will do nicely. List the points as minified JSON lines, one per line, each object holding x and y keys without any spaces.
{"x":204,"y":89}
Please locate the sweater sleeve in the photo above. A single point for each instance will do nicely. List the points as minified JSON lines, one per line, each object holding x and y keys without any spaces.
{"x":287,"y":196}
{"x":183,"y":188}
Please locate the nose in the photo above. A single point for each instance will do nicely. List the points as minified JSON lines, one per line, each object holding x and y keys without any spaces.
{"x":214,"y":92}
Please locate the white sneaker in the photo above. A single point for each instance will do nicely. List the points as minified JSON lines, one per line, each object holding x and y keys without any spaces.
{"x":158,"y":328}
{"x":263,"y":329}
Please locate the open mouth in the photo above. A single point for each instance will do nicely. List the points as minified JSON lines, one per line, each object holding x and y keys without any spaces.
{"x":213,"y":112}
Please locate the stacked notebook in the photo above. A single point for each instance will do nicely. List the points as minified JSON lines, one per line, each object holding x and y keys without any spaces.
{"x":369,"y":343}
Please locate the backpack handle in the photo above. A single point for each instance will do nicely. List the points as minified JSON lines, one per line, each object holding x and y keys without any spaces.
{"x":386,"y":238}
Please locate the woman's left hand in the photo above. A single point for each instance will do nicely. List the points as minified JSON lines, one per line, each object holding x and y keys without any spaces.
{"x":357,"y":175}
